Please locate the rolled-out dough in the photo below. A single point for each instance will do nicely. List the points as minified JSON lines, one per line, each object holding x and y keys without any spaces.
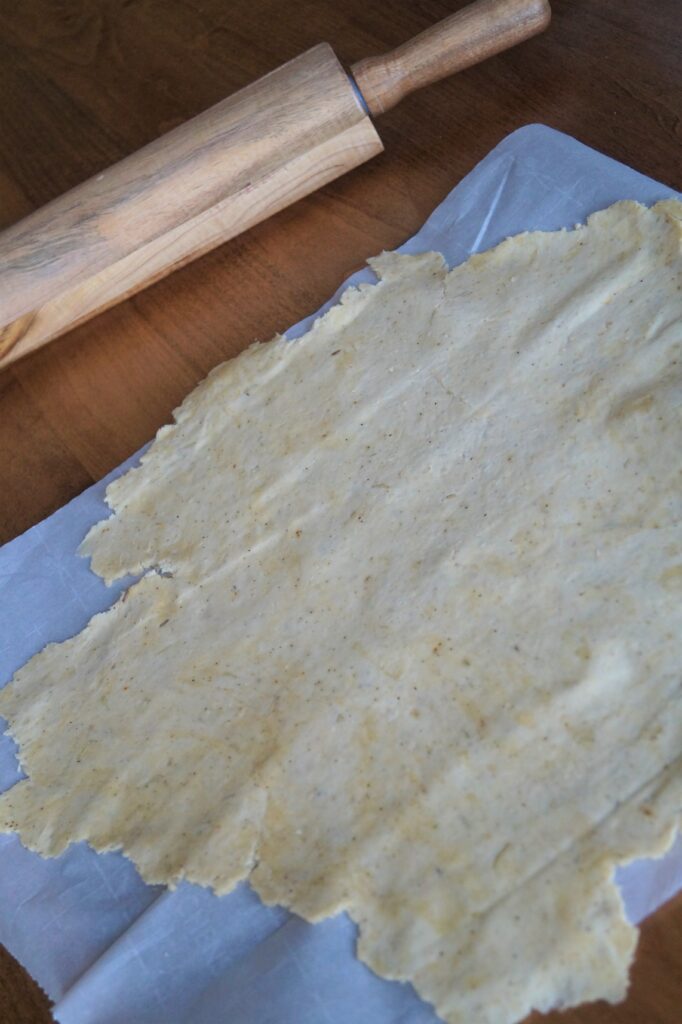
{"x":408,"y":635}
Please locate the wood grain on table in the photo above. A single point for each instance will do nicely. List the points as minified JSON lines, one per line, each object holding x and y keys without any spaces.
{"x":84,"y":82}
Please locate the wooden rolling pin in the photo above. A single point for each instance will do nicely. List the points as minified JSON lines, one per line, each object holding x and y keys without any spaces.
{"x":240,"y":161}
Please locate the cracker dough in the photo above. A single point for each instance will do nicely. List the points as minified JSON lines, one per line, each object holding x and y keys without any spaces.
{"x":407,"y":639}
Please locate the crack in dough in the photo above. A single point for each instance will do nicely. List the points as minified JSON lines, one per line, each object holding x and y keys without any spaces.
{"x":407,"y":641}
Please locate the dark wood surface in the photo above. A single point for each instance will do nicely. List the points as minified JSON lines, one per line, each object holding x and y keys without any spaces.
{"x":83,"y":82}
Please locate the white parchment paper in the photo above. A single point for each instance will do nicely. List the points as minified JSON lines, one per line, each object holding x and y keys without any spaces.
{"x":109,"y":949}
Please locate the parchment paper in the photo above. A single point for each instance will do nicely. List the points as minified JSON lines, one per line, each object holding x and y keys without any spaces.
{"x":106,"y":947}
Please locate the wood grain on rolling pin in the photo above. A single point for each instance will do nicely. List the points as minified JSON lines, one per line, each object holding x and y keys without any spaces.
{"x":242,"y":160}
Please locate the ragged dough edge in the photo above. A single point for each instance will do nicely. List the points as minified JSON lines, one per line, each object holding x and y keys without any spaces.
{"x":655,"y":845}
{"x":599,"y":969}
{"x":599,"y":966}
{"x":600,"y":977}
{"x":13,"y":693}
{"x":272,"y":357}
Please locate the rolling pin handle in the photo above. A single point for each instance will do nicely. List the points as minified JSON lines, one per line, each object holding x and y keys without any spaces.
{"x":467,"y":37}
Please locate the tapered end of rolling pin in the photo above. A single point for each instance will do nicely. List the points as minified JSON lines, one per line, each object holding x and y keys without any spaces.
{"x":467,"y":37}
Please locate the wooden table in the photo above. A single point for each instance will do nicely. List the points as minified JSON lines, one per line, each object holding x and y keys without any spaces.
{"x":83,"y":82}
